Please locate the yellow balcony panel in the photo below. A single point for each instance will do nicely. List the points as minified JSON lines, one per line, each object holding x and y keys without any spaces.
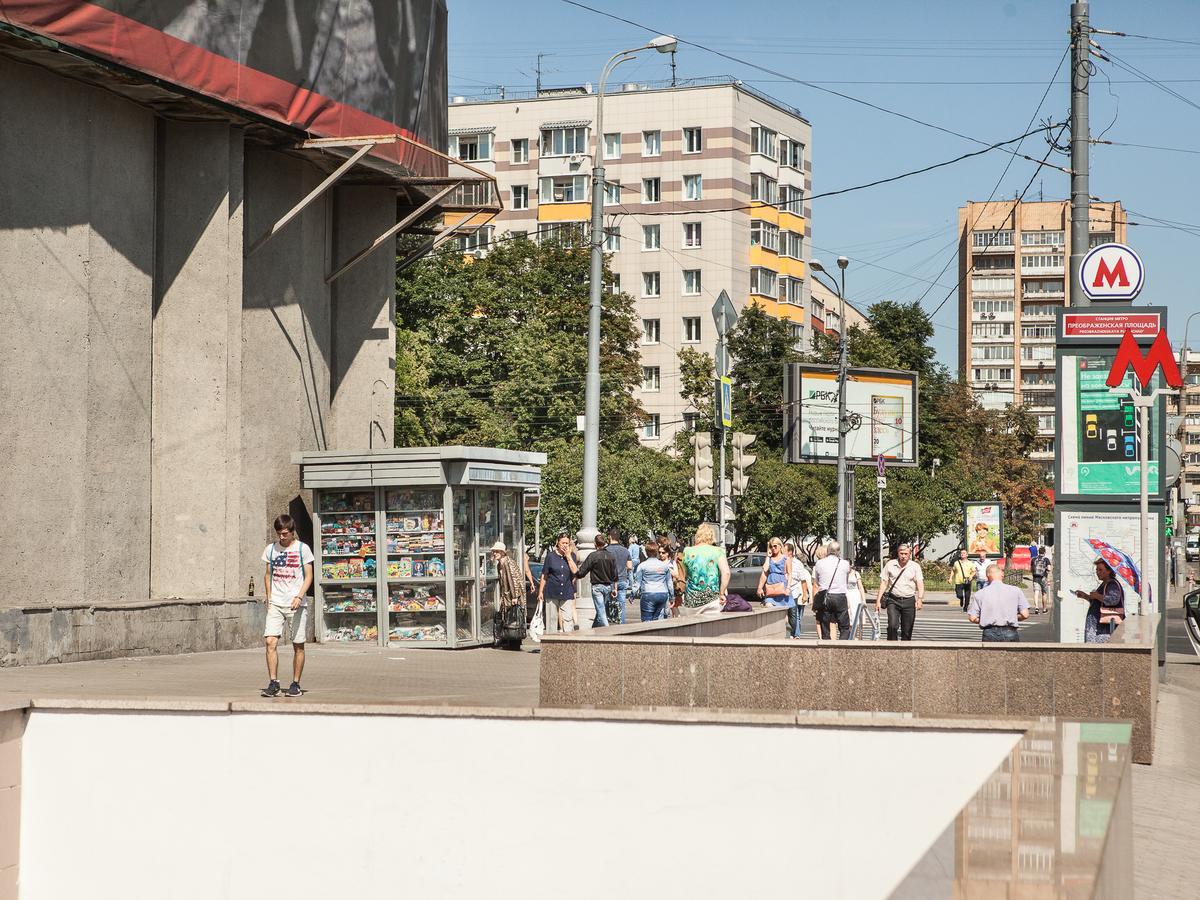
{"x":791,"y":222}
{"x":474,"y":220}
{"x":793,"y":268}
{"x":765,"y":258}
{"x":764,"y":211}
{"x":564,"y":212}
{"x":775,"y":309}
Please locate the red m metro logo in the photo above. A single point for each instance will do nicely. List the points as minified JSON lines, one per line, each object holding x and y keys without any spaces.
{"x":1129,"y":354}
{"x":1116,"y":276}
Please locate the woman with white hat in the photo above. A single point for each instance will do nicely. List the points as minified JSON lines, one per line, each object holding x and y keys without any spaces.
{"x":512,"y":594}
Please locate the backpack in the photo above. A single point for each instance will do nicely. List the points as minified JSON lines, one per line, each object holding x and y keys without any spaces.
{"x":1040,"y":567}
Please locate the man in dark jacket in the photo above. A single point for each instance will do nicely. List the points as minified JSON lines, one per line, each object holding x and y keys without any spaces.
{"x":602,"y":566}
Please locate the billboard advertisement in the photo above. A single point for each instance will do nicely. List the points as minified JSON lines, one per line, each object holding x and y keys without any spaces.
{"x":1094,"y":531}
{"x":881,"y":409}
{"x":327,"y":67}
{"x":983,"y":528}
{"x":1099,"y":432}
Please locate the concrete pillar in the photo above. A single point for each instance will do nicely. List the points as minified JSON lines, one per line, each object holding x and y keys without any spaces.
{"x":196,"y":341}
{"x":76,"y":256}
{"x":363,"y":365}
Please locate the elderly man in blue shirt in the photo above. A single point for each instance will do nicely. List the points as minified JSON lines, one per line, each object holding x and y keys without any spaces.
{"x":997,"y":608}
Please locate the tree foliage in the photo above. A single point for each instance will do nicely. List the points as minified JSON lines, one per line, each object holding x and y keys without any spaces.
{"x":760,"y":346}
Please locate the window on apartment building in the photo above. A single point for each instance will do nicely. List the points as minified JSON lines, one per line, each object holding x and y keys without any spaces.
{"x":1042,"y":261}
{"x":763,"y":141}
{"x":833,"y":321}
{"x":764,"y":234}
{"x":992,"y":284}
{"x":520,"y":196}
{"x":692,"y":234}
{"x":983,"y":239}
{"x":992,"y":351}
{"x":1036,"y":310}
{"x":795,"y":286}
{"x":518,"y":235}
{"x":691,"y":329}
{"x":797,"y":332}
{"x":791,"y":153}
{"x":651,"y":331}
{"x":612,"y":146}
{"x":990,"y":373}
{"x":1037,"y":378}
{"x":691,"y":421}
{"x":651,"y":143}
{"x":691,"y":282}
{"x":693,"y":141}
{"x":612,"y":193}
{"x":471,"y":147}
{"x":1096,"y":238}
{"x":652,"y":430}
{"x":1037,"y":352}
{"x":764,"y":188}
{"x":791,"y":198}
{"x":1037,"y":331}
{"x":992,"y":329}
{"x":612,"y":238}
{"x":1037,"y":399}
{"x":616,"y":283}
{"x":651,"y":237}
{"x":472,"y":193}
{"x":520,"y":150}
{"x":564,"y":141}
{"x":651,"y":284}
{"x":570,"y":234}
{"x":791,"y":244}
{"x":1042,"y":239}
{"x":1045,"y":423}
{"x":651,"y":190}
{"x":763,"y":281}
{"x":651,"y":379}
{"x":1032,"y":287}
{"x":562,"y":189}
{"x":693,"y":187}
{"x":984,"y":262}
{"x":991,"y":307}
{"x":477,"y":240}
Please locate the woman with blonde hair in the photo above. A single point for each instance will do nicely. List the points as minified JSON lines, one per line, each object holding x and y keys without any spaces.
{"x":705,"y":572}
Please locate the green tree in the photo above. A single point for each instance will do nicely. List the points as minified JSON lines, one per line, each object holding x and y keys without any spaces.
{"x":760,"y":346}
{"x":494,"y":351}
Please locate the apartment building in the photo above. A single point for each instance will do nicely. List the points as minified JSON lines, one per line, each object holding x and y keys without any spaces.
{"x":825,"y":311}
{"x":1187,"y":406}
{"x":1012,"y":265}
{"x":706,"y":190}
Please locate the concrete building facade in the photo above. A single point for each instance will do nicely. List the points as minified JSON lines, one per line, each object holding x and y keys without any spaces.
{"x":155,"y":376}
{"x":1012,"y":266}
{"x":1187,"y":405}
{"x":707,"y":188}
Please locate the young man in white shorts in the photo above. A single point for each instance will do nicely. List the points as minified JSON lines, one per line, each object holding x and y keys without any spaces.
{"x":289,"y":574}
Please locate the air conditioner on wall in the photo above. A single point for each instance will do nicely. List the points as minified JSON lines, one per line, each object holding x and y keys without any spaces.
{"x":575,"y":159}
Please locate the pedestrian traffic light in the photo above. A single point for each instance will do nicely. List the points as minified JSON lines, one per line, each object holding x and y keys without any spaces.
{"x":702,"y":463}
{"x":742,"y":461}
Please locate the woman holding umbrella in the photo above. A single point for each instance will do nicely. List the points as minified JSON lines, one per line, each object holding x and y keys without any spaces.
{"x":1106,"y":605}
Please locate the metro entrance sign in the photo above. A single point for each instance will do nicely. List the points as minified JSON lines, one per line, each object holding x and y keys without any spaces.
{"x":1111,"y":272}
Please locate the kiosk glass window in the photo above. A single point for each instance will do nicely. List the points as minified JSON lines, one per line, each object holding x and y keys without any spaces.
{"x":347,"y":579}
{"x":487,"y":524}
{"x":416,"y":565}
{"x":464,"y":567}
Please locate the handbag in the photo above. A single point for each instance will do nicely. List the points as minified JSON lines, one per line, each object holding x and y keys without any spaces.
{"x":537,"y":626}
{"x":776,"y":589}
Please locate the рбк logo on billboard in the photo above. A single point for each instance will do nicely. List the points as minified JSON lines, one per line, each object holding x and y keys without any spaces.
{"x":1111,"y":272}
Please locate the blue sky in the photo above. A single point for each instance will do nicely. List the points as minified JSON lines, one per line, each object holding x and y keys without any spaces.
{"x":975,"y":67}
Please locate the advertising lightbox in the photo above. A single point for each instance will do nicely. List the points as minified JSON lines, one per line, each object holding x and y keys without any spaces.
{"x":881,"y":413}
{"x":983,"y":528}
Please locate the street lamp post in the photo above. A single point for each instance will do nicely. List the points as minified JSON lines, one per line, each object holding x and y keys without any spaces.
{"x":815,"y":265}
{"x":591,"y":431}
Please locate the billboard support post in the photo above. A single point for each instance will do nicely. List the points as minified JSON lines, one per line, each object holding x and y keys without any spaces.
{"x":1144,"y":402}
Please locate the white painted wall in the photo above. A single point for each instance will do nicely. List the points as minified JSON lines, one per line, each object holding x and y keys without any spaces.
{"x":175,"y":806}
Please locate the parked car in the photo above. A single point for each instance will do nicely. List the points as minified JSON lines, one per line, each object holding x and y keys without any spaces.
{"x":1191,"y":549}
{"x":744,"y":571}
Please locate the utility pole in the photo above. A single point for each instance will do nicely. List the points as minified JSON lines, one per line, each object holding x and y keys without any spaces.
{"x":672,"y":68}
{"x":841,"y":419}
{"x":1080,"y":191}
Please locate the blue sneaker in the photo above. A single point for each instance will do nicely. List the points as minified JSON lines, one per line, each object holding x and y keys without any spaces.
{"x":293,"y":690}
{"x":271,"y":690}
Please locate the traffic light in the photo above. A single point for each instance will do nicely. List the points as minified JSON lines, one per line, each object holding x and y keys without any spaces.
{"x":702,"y":463}
{"x":742,"y":461}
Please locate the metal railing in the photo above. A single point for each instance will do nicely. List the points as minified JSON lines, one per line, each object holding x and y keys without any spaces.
{"x":857,"y":631}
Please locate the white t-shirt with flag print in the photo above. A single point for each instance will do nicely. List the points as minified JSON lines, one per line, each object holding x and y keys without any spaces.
{"x":287,"y":570}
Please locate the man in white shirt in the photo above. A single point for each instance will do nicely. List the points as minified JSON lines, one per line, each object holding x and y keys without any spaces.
{"x":981,"y":567}
{"x":289,"y":574}
{"x":800,"y":587}
{"x":903,"y":585}
{"x":831,"y":574}
{"x":998,"y":608}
